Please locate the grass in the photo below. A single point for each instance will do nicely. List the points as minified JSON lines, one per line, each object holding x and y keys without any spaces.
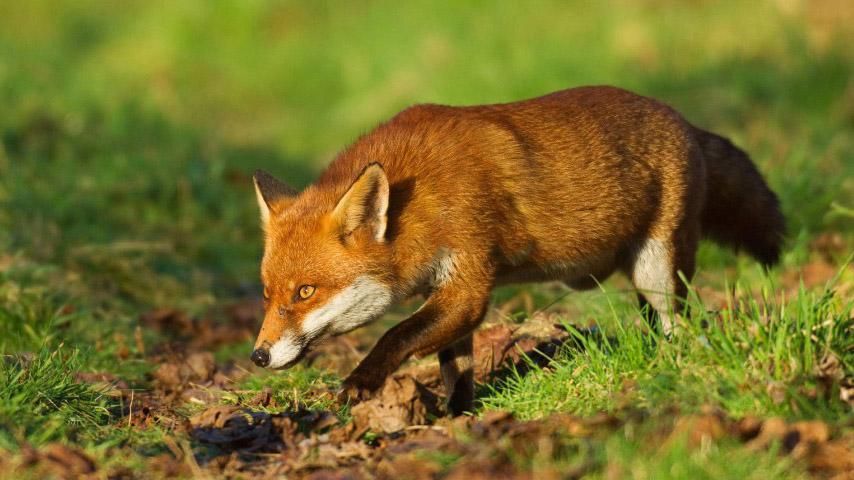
{"x":757,"y":357}
{"x":303,"y":388}
{"x":41,"y":401}
{"x":627,"y":457}
{"x":128,"y":136}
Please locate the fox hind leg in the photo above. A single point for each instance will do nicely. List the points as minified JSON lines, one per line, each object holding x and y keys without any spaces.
{"x":655,"y":273}
{"x":457,"y":368}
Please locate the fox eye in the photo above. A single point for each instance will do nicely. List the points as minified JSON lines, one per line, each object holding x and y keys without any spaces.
{"x":305,"y":291}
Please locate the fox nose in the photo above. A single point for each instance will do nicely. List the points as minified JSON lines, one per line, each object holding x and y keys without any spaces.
{"x":261,"y":357}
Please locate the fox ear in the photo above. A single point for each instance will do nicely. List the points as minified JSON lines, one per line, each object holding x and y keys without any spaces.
{"x":273,"y":196}
{"x":365,"y":203}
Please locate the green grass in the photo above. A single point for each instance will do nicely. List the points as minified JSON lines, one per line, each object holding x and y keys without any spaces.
{"x":625,"y":456}
{"x":129,"y":133}
{"x":41,"y":401}
{"x":301,"y":388}
{"x":757,"y":357}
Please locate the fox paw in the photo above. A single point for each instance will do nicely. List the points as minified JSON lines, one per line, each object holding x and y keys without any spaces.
{"x":352,"y":392}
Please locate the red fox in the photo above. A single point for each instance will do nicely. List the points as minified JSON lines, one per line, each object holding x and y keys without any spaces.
{"x":451,"y":201}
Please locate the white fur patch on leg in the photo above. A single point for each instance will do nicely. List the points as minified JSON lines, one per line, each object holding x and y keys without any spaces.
{"x":652,"y":275}
{"x":363,"y":301}
{"x":284,"y":351}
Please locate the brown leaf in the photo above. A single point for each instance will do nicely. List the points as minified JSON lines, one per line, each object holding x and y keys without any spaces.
{"x":336,"y":474}
{"x":828,"y":245}
{"x":168,"y":375}
{"x":201,"y":365}
{"x":167,"y":466}
{"x":169,"y":320}
{"x":803,"y":437}
{"x":833,"y":458}
{"x":846,"y":391}
{"x":813,"y":274}
{"x":777,"y":392}
{"x":402,"y":402}
{"x":409,"y":465}
{"x":747,"y":428}
{"x":814,"y":431}
{"x":490,"y":347}
{"x":68,"y":462}
{"x":772,"y":429}
{"x":486,"y":469}
{"x":697,"y":429}
{"x":262,"y":398}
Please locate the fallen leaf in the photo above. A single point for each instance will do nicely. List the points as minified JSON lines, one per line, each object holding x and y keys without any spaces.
{"x":772,"y":429}
{"x":168,"y":320}
{"x":828,"y":245}
{"x":490,"y":347}
{"x":262,"y":398}
{"x":168,"y":375}
{"x":697,"y":429}
{"x":833,"y":458}
{"x":67,"y":462}
{"x":846,"y":391}
{"x":747,"y":428}
{"x":777,"y":392}
{"x":813,"y":274}
{"x":803,"y":437}
{"x":402,"y":402}
{"x":408,"y":465}
{"x":202,"y":365}
{"x":812,"y":431}
{"x":486,"y":469}
{"x":167,"y":466}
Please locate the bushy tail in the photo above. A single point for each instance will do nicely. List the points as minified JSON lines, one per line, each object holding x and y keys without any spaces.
{"x":740,"y":210}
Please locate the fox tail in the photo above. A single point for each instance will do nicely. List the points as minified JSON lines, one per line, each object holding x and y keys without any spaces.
{"x":740,"y":209}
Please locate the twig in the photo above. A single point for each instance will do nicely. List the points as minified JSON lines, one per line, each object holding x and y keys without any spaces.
{"x":130,"y":409}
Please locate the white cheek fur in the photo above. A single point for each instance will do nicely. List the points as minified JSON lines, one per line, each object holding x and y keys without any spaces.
{"x":284,"y":351}
{"x":361,"y":302}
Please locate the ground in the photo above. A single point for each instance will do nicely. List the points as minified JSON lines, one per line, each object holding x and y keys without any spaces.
{"x":129,"y":244}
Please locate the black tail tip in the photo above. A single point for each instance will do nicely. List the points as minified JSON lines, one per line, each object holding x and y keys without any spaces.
{"x":768,"y":253}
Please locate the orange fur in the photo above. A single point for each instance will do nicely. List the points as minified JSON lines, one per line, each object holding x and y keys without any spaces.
{"x":570,"y":186}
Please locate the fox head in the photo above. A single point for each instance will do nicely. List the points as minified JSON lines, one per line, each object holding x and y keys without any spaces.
{"x":326,"y":265}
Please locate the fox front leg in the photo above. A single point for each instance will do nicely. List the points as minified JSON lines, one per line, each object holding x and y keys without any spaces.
{"x":449,"y":315}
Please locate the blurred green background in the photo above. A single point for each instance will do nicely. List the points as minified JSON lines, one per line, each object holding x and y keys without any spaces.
{"x":129,"y":130}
